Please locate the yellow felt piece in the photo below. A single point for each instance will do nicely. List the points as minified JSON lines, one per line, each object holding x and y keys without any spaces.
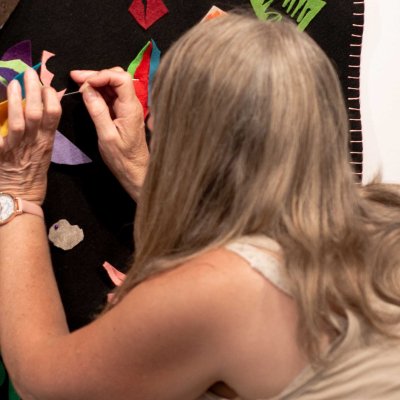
{"x":4,"y":117}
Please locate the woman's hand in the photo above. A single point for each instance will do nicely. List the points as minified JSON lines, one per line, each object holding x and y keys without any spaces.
{"x":110,"y":99}
{"x":25,"y":153}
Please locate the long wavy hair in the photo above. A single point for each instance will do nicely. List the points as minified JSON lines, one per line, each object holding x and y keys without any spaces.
{"x":251,"y":137}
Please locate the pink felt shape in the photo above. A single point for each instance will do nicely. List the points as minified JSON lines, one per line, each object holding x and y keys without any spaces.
{"x":45,"y":75}
{"x":141,"y":83}
{"x":146,"y":17}
{"x":116,"y":276}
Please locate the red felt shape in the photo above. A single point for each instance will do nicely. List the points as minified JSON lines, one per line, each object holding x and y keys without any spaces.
{"x":146,"y":17}
{"x":141,"y":83}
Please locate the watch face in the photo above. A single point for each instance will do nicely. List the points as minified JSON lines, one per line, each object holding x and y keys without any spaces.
{"x":7,"y":207}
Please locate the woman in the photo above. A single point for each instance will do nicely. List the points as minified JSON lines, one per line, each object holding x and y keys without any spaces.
{"x":262,"y":270}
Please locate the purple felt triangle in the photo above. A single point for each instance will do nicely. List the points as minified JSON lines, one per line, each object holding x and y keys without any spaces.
{"x":65,"y":152}
{"x":8,"y":74}
{"x":20,"y":51}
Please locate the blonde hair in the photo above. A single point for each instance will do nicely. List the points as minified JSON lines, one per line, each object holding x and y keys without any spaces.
{"x":251,"y":136}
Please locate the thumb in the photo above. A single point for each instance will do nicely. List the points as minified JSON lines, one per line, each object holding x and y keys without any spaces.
{"x":98,"y":111}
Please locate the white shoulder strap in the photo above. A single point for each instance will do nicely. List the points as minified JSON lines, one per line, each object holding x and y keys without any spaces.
{"x":264,"y":258}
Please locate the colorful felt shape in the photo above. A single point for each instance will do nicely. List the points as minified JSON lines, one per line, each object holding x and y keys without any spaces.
{"x":155,"y":57}
{"x":147,"y":16}
{"x":3,"y":92}
{"x":2,"y":373}
{"x":15,"y":61}
{"x":45,"y":75}
{"x":141,"y":82}
{"x":64,"y":235}
{"x":260,"y":7}
{"x":137,"y":60}
{"x":154,"y":64}
{"x":7,"y":74}
{"x":17,"y":65}
{"x":20,"y":79}
{"x":116,"y":276}
{"x":20,"y":51}
{"x":3,"y":118}
{"x":12,"y":394}
{"x":65,"y":152}
{"x":214,"y":12}
{"x":139,"y":69}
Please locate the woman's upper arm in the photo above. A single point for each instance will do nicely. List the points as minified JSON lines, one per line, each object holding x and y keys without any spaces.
{"x":158,"y":342}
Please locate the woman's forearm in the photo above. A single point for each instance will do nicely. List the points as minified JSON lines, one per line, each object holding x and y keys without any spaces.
{"x":31,"y":311}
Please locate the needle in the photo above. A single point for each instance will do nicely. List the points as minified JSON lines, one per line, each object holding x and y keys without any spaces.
{"x":77,"y":91}
{"x":69,"y":94}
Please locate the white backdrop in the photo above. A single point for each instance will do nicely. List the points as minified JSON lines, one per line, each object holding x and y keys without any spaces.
{"x":380,"y":90}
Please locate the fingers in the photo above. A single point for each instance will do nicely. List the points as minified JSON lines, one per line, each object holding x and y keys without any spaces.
{"x":80,"y":76}
{"x":34,"y":105}
{"x":119,"y":81}
{"x":16,"y":121}
{"x":51,"y":111}
{"x":99,"y":112}
{"x":42,"y":110}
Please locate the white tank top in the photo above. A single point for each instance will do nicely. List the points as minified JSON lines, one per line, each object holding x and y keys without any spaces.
{"x":265,"y":256}
{"x":355,"y":370}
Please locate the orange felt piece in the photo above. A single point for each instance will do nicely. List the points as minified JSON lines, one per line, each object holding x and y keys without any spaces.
{"x":214,"y":12}
{"x":4,"y":117}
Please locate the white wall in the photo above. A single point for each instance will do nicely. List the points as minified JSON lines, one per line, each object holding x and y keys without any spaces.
{"x":380,"y":89}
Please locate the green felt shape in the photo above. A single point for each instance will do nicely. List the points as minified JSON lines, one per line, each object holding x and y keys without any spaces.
{"x":303,"y":11}
{"x":137,"y":60}
{"x":12,"y":394}
{"x":2,"y":373}
{"x":306,"y":10}
{"x":260,"y":8}
{"x":17,"y":65}
{"x":20,"y":78}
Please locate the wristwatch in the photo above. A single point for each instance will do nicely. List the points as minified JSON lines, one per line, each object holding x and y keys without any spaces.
{"x":11,"y":206}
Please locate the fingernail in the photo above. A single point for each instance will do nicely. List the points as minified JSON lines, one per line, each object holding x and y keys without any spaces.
{"x":83,"y":87}
{"x":89,"y":93}
{"x":14,"y":85}
{"x":30,"y":71}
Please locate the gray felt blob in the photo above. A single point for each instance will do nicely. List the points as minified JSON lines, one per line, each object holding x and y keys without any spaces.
{"x":64,"y":235}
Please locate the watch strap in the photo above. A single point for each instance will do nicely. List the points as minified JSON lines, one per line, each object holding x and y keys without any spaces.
{"x":25,"y":206}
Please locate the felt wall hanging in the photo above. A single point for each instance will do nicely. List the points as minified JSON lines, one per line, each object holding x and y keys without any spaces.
{"x":88,"y":34}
